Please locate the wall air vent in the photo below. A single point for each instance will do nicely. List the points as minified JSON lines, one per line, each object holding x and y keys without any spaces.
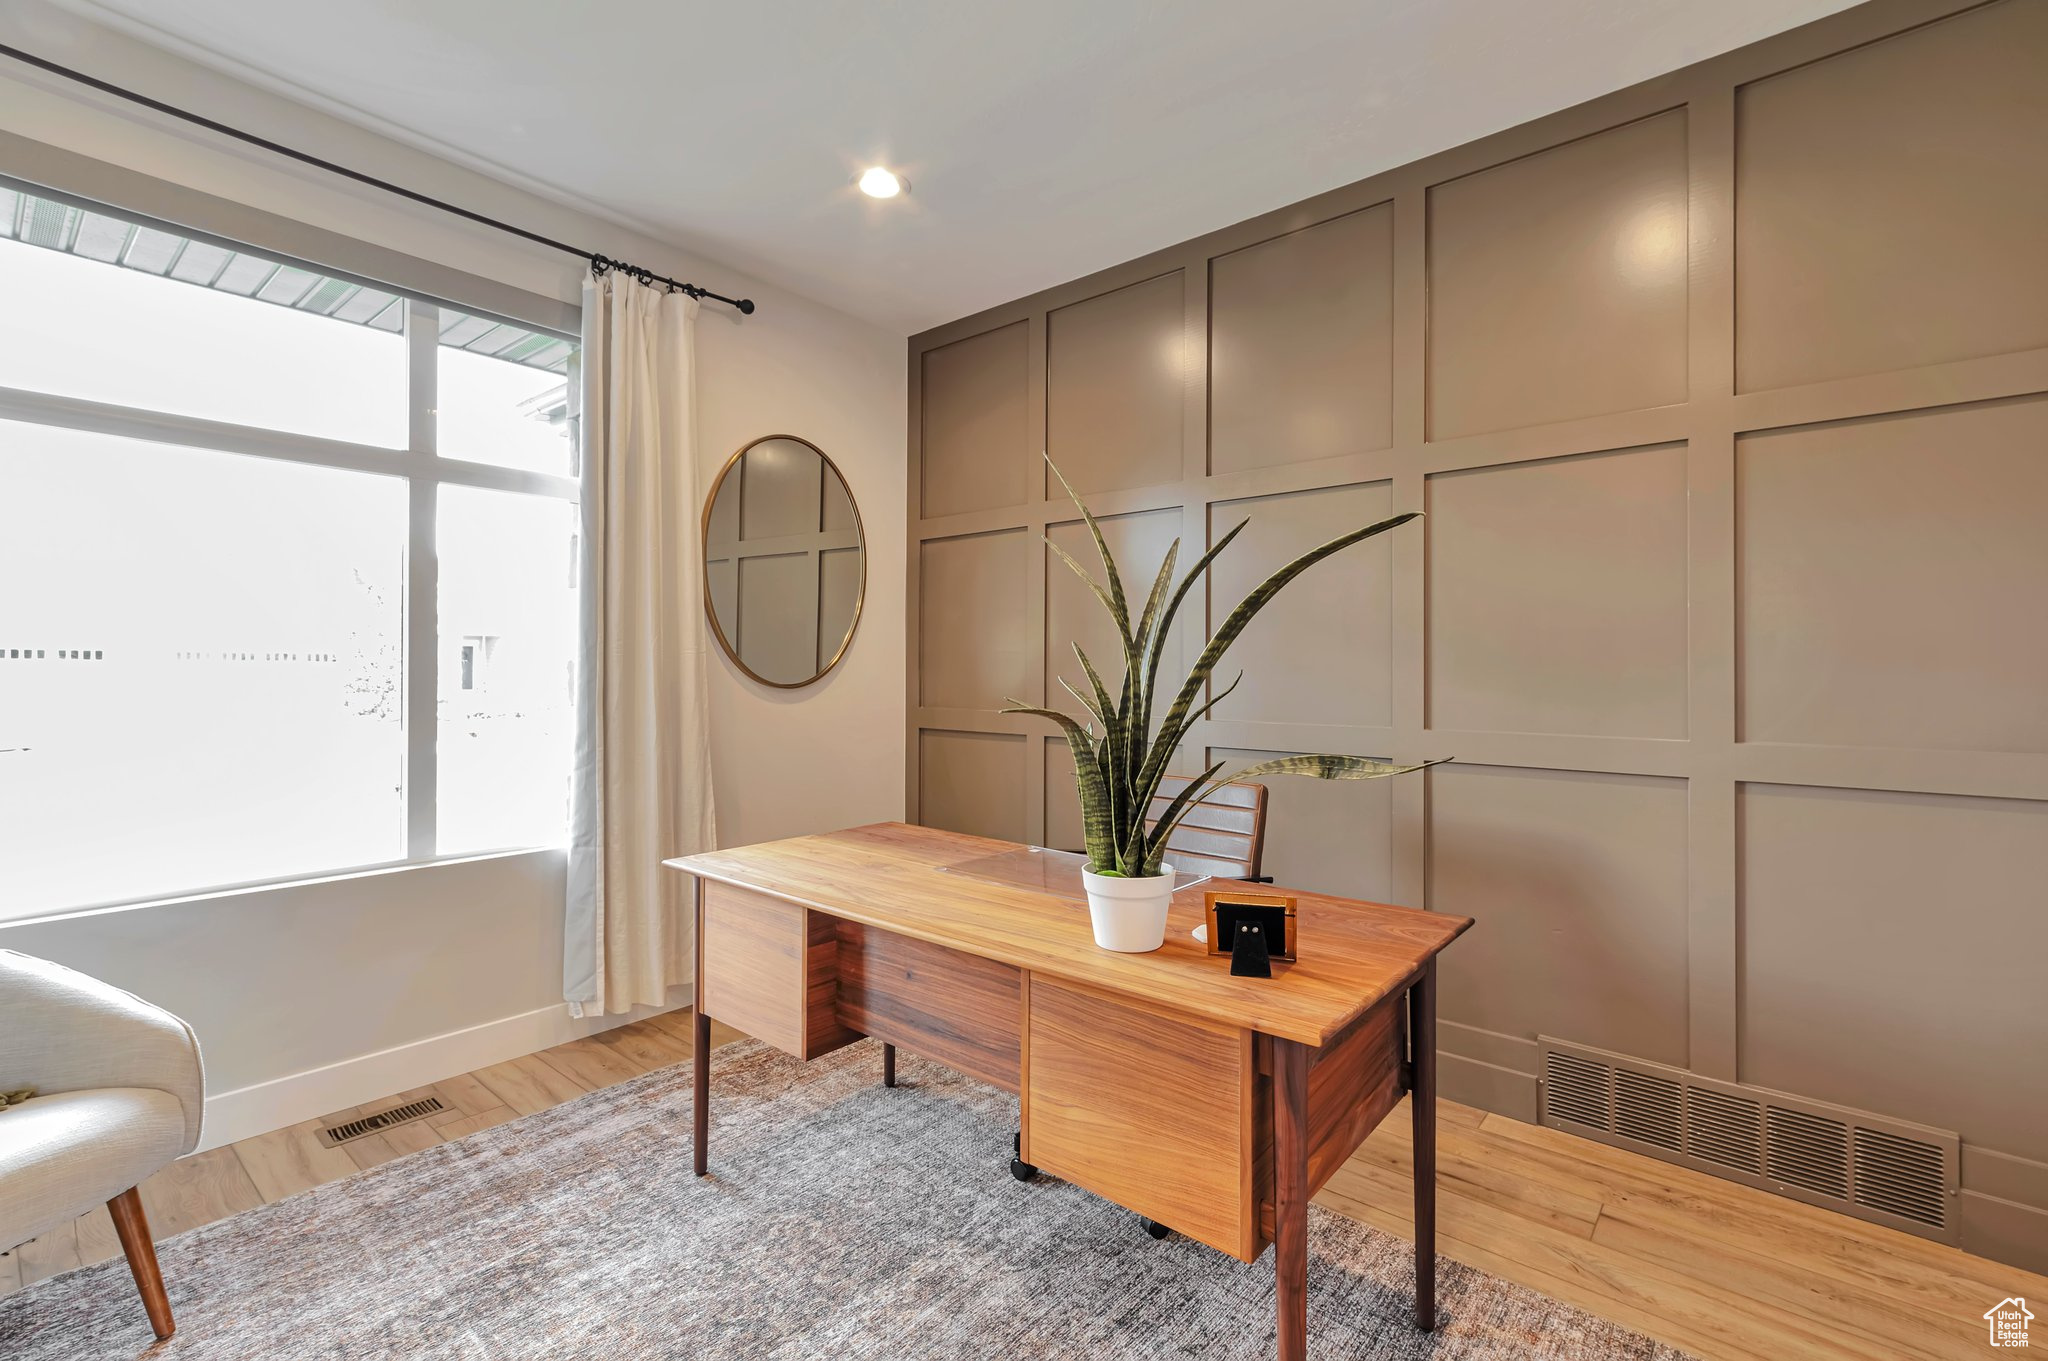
{"x":1807,"y":1150}
{"x":341,"y":1133}
{"x":1724,"y":1129}
{"x":1647,"y":1108}
{"x":1899,"y":1176}
{"x":1580,"y":1091}
{"x":1870,"y":1166}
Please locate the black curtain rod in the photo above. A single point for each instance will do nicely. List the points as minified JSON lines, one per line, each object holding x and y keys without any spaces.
{"x":599,"y":265}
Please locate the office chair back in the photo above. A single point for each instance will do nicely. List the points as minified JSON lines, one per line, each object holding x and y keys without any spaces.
{"x":1223,"y":835}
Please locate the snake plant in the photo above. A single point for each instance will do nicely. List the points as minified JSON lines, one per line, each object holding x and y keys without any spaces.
{"x":1120,"y":754}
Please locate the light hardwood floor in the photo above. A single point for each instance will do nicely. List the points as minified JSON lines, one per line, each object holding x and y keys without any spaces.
{"x":1706,"y":1265}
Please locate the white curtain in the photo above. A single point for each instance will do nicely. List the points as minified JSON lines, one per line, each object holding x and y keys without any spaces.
{"x":641,"y":790}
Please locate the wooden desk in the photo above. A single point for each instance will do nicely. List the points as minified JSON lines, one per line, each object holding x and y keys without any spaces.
{"x":1214,"y":1105}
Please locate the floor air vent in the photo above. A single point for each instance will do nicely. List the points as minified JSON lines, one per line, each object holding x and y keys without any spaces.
{"x":332,"y":1135}
{"x":1883,"y":1170}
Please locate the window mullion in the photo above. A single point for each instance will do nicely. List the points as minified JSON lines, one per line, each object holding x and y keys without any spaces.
{"x":422,"y":614}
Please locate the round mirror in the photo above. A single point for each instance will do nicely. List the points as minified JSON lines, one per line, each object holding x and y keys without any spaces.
{"x":784,"y":563}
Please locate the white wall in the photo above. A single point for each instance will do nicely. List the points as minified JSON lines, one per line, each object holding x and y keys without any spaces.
{"x":315,"y":996}
{"x":291,"y":990}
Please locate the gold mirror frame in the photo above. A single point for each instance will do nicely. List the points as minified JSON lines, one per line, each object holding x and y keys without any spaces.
{"x":860,"y":533}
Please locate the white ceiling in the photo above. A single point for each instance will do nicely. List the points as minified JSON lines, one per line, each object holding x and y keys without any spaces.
{"x":1043,"y":140}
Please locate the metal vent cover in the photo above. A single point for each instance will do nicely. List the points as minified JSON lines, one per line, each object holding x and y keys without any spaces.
{"x":1724,"y":1130}
{"x":1580,"y":1090}
{"x":334,"y":1135}
{"x":1887,"y":1171}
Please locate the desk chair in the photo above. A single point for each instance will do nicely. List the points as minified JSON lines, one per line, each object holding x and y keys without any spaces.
{"x":1224,"y":835}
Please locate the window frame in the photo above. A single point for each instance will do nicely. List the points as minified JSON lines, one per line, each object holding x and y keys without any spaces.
{"x":424,"y":472}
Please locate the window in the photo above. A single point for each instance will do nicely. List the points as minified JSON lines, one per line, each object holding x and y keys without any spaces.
{"x":503,"y":399}
{"x":508,"y":623}
{"x":233,"y":508}
{"x":142,"y":335}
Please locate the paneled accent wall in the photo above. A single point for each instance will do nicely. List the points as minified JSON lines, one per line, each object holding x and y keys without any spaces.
{"x":1727,"y":399}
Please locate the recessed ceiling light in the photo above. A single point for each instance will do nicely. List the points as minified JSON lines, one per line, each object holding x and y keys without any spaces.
{"x":876,"y":182}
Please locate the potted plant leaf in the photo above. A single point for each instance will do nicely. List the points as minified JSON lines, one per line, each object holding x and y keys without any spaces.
{"x":1120,"y":753}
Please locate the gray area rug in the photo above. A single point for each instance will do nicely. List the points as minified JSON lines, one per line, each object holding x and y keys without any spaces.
{"x":841,"y":1219}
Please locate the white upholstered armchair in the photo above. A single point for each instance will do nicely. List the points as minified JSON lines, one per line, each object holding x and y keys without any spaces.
{"x":118,"y":1095}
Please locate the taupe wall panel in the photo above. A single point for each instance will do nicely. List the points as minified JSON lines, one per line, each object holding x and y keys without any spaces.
{"x":1882,"y":963}
{"x":1073,"y":614}
{"x":839,"y":588}
{"x":1577,"y":883}
{"x":973,"y":782}
{"x":1062,"y":803}
{"x":1301,"y":345}
{"x":722,"y":575}
{"x":839,"y":512}
{"x":1116,"y":376}
{"x":976,"y":594}
{"x":1319,"y":653}
{"x":1930,"y":150}
{"x":1894,"y":580}
{"x":783,"y":482}
{"x":1557,"y":283}
{"x":1334,"y":838}
{"x":723,"y":527}
{"x":976,"y":423}
{"x":1642,"y":587}
{"x":1557,"y":595}
{"x":775,"y":588}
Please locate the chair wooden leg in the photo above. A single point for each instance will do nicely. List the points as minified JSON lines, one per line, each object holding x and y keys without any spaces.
{"x":133,"y":1229}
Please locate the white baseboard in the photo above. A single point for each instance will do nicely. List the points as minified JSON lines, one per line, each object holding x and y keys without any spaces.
{"x":287,"y":1100}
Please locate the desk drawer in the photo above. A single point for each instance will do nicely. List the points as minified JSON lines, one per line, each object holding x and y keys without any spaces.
{"x":964,"y":1011}
{"x":771,"y":970}
{"x":1148,"y":1108}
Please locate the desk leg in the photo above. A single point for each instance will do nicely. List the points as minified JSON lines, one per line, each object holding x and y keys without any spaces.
{"x":702,"y":1086}
{"x":1290,"y":1195}
{"x":888,"y":1065}
{"x":1422,"y":1101}
{"x":700,"y":1049}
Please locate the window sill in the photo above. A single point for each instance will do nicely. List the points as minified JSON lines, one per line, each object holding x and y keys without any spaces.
{"x":272,"y":885}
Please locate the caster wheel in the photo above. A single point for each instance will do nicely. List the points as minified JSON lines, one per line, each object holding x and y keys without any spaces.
{"x":1022,"y":1170}
{"x":1155,"y":1228}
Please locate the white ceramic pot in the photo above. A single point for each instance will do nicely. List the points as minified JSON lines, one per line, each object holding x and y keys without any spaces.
{"x":1129,"y":915}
